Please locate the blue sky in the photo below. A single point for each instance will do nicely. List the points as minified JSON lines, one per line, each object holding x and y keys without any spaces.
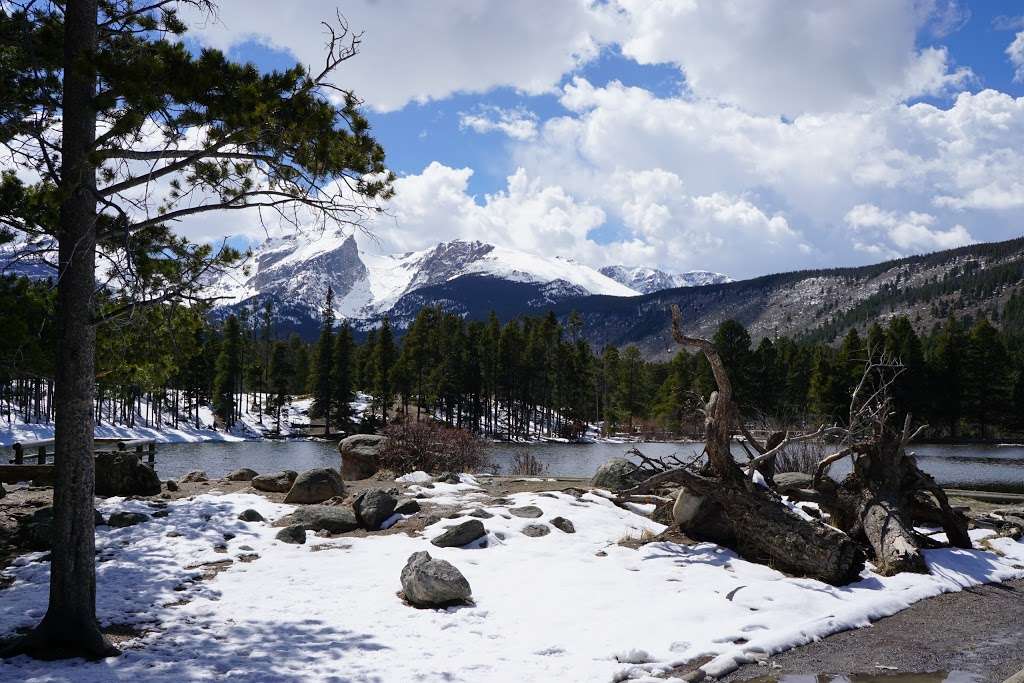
{"x":812,"y":133}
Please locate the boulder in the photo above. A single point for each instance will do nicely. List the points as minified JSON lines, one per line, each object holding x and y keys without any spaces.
{"x":788,"y":481}
{"x":359,"y":455}
{"x":461,"y":534}
{"x":193,"y":477}
{"x":172,"y":485}
{"x":121,"y":474}
{"x":316,"y":486}
{"x":536,"y":530}
{"x":275,"y":482}
{"x":295,"y":534}
{"x":480,"y":513}
{"x":427,"y":582}
{"x":121,"y":519}
{"x":329,"y":518}
{"x":615,"y":475}
{"x":36,"y":530}
{"x":563,"y":524}
{"x":244,"y":474}
{"x":372,"y":507}
{"x":251,"y":515}
{"x":407,"y":506}
{"x":527,"y":511}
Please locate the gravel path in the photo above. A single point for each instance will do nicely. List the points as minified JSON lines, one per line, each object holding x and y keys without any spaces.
{"x":978,"y":632}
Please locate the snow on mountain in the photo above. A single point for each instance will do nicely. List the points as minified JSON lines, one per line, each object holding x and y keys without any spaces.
{"x":647,"y":280}
{"x":297,"y":269}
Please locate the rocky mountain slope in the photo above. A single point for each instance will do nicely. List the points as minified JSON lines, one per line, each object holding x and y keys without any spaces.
{"x":649,"y":280}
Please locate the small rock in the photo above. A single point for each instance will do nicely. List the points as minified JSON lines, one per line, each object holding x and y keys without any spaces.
{"x":316,"y":486}
{"x":122,"y":519}
{"x":448,"y":478}
{"x":243,"y":474}
{"x":292,"y":534}
{"x":600,"y":553}
{"x":480,"y":513}
{"x":193,"y":477}
{"x":461,"y":534}
{"x":333,"y":519}
{"x":251,"y":515}
{"x":228,"y":535}
{"x":427,"y":582}
{"x":407,"y":506}
{"x":536,"y":530}
{"x":563,"y":524}
{"x":173,"y":534}
{"x":275,"y":482}
{"x":161,"y":513}
{"x":528,"y":511}
{"x":372,"y":507}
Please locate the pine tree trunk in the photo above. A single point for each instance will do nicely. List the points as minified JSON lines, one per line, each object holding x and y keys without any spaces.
{"x":69,"y":627}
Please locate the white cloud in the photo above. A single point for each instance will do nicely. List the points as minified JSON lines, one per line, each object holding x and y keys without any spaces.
{"x":910,"y":232}
{"x":795,"y":56}
{"x":518,"y":123}
{"x":420,"y":51}
{"x":1015,"y":51}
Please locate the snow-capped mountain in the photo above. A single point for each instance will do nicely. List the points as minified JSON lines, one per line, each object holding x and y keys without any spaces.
{"x":295,"y":272}
{"x":647,"y":280}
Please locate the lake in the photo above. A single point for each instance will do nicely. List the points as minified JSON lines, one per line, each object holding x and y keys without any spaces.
{"x":996,"y":468}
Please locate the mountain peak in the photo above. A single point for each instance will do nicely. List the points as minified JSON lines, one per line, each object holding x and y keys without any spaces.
{"x":646,"y":280}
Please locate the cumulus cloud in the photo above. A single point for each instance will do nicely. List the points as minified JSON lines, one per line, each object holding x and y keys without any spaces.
{"x":1015,"y":51}
{"x":518,"y":123}
{"x":797,"y":56}
{"x":415,"y":51}
{"x":908,"y":232}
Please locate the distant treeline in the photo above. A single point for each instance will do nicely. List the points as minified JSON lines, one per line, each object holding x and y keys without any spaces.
{"x":529,"y":377}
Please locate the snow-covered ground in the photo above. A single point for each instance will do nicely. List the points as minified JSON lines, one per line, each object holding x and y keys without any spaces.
{"x":250,"y":427}
{"x":563,"y":607}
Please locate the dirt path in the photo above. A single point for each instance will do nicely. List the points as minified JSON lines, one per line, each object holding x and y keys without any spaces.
{"x":978,"y":632}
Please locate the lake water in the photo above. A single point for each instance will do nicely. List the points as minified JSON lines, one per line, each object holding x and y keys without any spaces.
{"x":997,"y":468}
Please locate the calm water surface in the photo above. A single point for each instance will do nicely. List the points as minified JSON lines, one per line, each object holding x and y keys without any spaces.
{"x":998,"y":468}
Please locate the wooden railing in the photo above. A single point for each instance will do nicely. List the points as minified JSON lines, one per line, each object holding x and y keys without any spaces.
{"x":42,"y":449}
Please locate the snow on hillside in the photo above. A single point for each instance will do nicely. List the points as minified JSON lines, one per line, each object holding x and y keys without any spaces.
{"x":646,"y":280}
{"x":297,"y":270}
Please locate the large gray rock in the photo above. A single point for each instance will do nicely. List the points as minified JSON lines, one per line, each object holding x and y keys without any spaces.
{"x":461,"y":534}
{"x":275,"y":482}
{"x":427,"y":582}
{"x":329,"y":518}
{"x":122,"y":519}
{"x":36,"y":530}
{"x":374,"y":506}
{"x":536,"y":530}
{"x":193,"y":477}
{"x":292,"y":534}
{"x":243,"y":474}
{"x":359,"y":455}
{"x":788,"y":481}
{"x":121,"y":474}
{"x":527,"y":511}
{"x":316,"y":486}
{"x":251,"y":515}
{"x":563,"y":524}
{"x":407,"y":506}
{"x":615,"y":475}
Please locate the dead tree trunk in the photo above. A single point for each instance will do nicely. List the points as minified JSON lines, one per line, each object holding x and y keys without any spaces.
{"x":727,"y":507}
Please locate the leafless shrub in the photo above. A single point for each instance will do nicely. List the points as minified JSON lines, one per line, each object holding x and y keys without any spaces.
{"x":525,"y":465}
{"x":800,"y":456}
{"x":431,"y":447}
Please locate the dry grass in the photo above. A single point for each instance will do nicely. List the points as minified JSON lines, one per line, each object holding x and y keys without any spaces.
{"x":525,"y":465}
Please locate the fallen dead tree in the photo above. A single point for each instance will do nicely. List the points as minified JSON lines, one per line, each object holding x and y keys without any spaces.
{"x":887,"y":494}
{"x":719,"y":502}
{"x":872,"y":512}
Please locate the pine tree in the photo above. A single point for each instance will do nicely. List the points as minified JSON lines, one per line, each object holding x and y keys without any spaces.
{"x":946,"y":369}
{"x":279,"y":380}
{"x":384,"y":357}
{"x":323,"y":376}
{"x":342,"y":366}
{"x":228,"y":373}
{"x":184,"y":133}
{"x":987,"y":376}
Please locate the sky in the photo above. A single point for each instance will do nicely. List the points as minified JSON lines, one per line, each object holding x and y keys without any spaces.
{"x":740,"y":136}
